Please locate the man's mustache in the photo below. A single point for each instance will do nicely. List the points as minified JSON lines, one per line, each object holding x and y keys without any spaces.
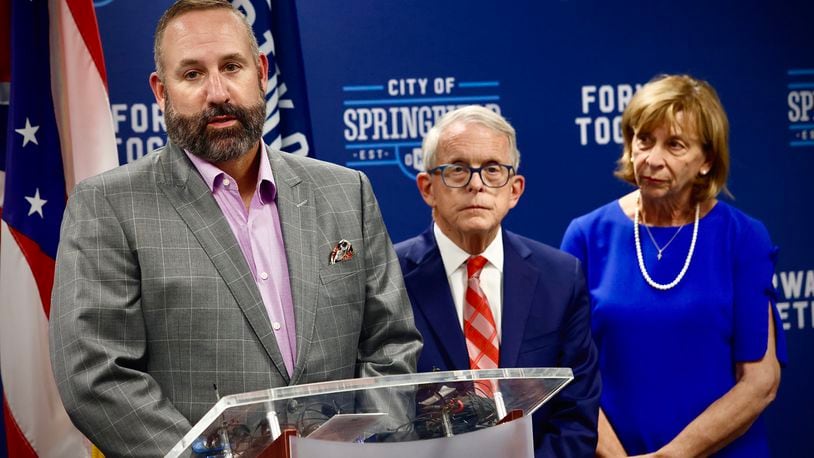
{"x":223,"y":109}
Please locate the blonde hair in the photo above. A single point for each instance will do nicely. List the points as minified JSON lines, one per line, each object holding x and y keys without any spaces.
{"x":659,"y":102}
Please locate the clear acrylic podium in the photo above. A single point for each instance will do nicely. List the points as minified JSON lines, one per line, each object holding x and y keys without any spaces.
{"x":364,"y":413}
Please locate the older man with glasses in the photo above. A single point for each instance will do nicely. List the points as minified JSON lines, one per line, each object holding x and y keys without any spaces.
{"x":486,"y":298}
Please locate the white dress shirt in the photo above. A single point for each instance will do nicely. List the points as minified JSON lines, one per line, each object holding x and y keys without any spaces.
{"x":491,"y":277}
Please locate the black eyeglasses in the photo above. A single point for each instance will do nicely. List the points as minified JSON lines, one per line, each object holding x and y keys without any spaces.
{"x":459,"y":175}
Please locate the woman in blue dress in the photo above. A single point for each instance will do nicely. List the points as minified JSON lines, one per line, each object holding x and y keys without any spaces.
{"x":683,"y":308}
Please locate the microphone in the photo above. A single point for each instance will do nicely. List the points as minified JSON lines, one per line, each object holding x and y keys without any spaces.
{"x":461,"y":408}
{"x":473,"y":407}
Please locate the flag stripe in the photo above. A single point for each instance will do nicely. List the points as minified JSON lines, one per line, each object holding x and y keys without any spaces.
{"x":17,"y":444}
{"x":42,"y":267}
{"x":81,"y":103}
{"x":29,"y":384}
{"x":85,"y":16}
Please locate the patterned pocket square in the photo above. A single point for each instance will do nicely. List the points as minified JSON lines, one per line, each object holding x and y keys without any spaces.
{"x":343,"y":251}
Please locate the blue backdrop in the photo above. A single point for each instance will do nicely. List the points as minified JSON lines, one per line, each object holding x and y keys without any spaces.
{"x":377,"y":73}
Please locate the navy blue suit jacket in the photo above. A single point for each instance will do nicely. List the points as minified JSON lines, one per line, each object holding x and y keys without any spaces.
{"x":546,"y":323}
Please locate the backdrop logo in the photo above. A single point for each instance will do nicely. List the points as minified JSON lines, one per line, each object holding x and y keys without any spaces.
{"x":384,"y":123}
{"x":601,"y":110}
{"x":796,"y":301}
{"x":801,"y":107}
{"x":101,"y":3}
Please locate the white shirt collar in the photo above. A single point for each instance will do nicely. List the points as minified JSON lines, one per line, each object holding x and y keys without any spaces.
{"x":453,"y":256}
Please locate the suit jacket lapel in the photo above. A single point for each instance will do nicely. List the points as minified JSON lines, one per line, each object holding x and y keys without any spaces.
{"x":519,"y":282}
{"x":193,"y":201}
{"x":431,"y":294}
{"x":298,"y":220}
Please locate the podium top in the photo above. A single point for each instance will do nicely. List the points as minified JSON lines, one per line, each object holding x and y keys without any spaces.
{"x":379,"y":409}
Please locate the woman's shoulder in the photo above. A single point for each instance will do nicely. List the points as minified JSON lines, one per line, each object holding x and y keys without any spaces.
{"x":609,"y":213}
{"x":739,"y":225}
{"x":598,"y":226}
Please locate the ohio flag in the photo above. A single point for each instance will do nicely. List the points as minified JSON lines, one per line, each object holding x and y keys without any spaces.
{"x":56,"y":129}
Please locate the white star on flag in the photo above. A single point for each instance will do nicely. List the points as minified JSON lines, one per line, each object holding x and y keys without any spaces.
{"x":28,"y":132}
{"x":36,"y":204}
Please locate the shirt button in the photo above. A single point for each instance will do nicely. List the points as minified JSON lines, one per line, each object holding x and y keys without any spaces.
{"x":276,"y":325}
{"x":226,"y":182}
{"x":264,"y":275}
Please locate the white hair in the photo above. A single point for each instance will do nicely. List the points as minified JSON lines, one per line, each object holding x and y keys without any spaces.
{"x":474,"y":114}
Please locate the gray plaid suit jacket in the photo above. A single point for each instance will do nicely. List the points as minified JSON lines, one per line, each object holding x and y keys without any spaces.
{"x":154,"y":302}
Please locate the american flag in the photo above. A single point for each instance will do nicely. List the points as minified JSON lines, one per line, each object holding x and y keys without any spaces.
{"x":56,"y":129}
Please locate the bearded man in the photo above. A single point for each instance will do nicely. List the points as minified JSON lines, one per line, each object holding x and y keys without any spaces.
{"x":216,"y":259}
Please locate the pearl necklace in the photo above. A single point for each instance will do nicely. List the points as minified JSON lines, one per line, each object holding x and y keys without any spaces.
{"x":642,"y":268}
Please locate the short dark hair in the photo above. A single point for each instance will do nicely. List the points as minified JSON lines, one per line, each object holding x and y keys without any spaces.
{"x":181,"y":7}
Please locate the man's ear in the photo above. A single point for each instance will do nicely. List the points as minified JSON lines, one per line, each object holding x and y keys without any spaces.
{"x":263,"y":70}
{"x":159,"y":90}
{"x":518,"y":184}
{"x":424,"y":182}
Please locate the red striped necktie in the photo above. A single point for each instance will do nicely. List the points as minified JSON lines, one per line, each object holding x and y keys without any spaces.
{"x":479,"y":324}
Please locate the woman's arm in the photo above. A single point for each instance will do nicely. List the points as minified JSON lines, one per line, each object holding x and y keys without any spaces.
{"x":609,"y":444}
{"x":732,"y":414}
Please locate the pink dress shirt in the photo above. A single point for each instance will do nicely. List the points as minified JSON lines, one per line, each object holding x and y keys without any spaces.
{"x":261,"y":240}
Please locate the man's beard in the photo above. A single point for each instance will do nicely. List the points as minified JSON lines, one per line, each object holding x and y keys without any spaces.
{"x":216,"y":145}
